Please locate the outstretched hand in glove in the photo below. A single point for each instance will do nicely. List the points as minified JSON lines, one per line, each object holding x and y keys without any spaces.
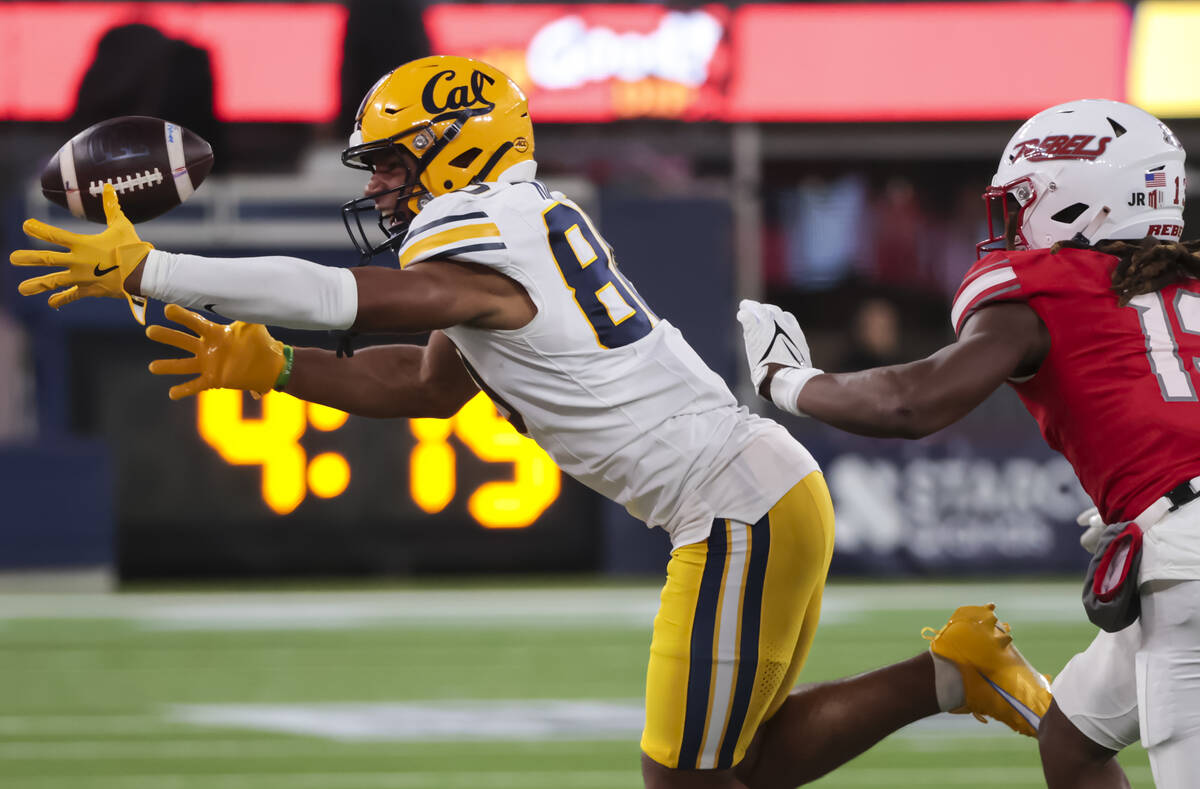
{"x":95,"y":265}
{"x":775,"y":343}
{"x":224,"y":356}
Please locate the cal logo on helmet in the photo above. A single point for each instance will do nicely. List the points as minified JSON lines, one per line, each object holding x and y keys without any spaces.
{"x":442,"y":94}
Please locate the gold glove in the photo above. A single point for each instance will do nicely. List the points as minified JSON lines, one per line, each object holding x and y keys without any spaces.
{"x":95,"y":266}
{"x":224,"y":356}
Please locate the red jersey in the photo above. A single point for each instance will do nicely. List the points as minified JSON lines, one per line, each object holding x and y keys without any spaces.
{"x":1117,"y":393}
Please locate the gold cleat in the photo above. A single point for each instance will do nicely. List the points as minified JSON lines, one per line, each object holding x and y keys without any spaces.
{"x":997,"y":679}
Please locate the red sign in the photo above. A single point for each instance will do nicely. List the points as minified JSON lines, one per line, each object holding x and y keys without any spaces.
{"x":924,"y":61}
{"x":801,"y":62}
{"x":271,"y":61}
{"x":603,"y":62}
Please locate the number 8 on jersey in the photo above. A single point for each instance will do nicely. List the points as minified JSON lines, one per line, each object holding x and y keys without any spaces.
{"x":603,"y":295}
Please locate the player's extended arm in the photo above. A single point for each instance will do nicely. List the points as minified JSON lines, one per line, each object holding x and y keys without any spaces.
{"x":299,"y":294}
{"x":384,"y":381}
{"x":276,"y":290}
{"x":915,"y":399}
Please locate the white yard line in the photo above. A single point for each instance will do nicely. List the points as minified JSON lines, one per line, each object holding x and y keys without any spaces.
{"x":624,"y":606}
{"x":482,"y":779}
{"x":343,"y":609}
{"x":443,"y":720}
{"x":1040,"y":601}
{"x":166,"y":750}
{"x":573,"y":779}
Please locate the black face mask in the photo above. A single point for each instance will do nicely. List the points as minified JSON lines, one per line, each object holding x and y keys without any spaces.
{"x":359,"y":157}
{"x":391,"y":232}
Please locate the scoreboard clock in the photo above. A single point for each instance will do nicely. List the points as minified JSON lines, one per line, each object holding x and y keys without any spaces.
{"x":224,"y":485}
{"x":272,"y":441}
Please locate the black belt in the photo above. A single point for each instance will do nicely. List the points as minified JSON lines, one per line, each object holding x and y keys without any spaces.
{"x":1181,"y":494}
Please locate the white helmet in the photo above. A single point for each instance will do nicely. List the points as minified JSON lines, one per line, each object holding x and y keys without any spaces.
{"x":1089,"y":170}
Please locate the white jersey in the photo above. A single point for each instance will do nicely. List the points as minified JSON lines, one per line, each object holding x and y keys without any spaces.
{"x":612,"y":393}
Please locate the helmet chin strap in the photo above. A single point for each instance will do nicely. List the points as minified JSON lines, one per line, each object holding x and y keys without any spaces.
{"x":1085,"y":236}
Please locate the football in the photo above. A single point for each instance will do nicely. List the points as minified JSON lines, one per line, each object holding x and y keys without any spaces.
{"x":153,"y":164}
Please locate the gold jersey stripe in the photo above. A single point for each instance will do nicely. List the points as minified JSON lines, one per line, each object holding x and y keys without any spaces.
{"x":447,"y":237}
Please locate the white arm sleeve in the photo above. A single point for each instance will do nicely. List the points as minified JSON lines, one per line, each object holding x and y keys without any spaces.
{"x":280,"y":291}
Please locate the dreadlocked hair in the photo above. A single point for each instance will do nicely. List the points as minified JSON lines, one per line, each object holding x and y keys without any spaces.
{"x":1146,"y":265}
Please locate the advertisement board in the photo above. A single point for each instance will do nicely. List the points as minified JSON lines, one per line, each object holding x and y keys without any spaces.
{"x":795,"y":62}
{"x":598,"y":62}
{"x":601,"y":62}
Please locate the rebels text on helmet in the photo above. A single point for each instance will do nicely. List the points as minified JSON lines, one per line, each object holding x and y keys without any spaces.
{"x":1060,"y":146}
{"x":459,"y":97}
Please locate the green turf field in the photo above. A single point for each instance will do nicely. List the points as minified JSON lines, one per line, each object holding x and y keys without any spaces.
{"x":531,"y":686}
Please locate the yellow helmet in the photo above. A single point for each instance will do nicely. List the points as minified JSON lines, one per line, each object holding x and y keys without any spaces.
{"x":460,"y":120}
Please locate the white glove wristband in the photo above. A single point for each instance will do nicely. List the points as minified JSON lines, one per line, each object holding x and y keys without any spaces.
{"x":786,"y":386}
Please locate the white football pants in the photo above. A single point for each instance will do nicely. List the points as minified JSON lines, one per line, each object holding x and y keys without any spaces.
{"x":1144,"y":680}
